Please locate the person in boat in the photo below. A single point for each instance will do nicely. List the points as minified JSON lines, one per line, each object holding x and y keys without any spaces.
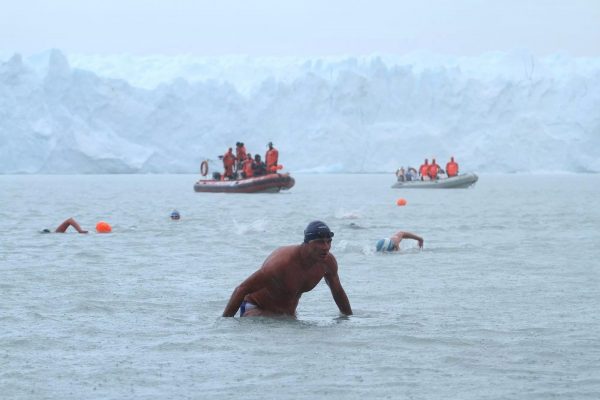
{"x":289,"y":271}
{"x":240,"y":154}
{"x":271,"y":159}
{"x":393,"y":243}
{"x":411,"y":174}
{"x":62,"y":228}
{"x":451,"y":168}
{"x":433,"y":170}
{"x":259,"y":166}
{"x":228,"y":163}
{"x":424,"y":170}
{"x":248,"y":167}
{"x":400,"y":174}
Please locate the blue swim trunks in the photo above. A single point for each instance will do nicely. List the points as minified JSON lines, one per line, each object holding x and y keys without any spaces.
{"x":384,"y":245}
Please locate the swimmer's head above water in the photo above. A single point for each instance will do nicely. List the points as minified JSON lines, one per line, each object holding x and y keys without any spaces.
{"x":354,"y":225}
{"x":317,"y":230}
{"x":384,"y":245}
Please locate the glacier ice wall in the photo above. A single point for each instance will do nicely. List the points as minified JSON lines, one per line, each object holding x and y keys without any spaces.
{"x":499,"y":112}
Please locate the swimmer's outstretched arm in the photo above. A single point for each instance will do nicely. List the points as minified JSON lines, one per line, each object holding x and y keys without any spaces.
{"x":69,"y":222}
{"x":401,"y":235}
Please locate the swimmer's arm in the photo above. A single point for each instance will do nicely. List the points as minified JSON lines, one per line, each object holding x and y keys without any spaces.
{"x":408,"y":235}
{"x":69,"y":222}
{"x":254,"y":282}
{"x":337,"y":291}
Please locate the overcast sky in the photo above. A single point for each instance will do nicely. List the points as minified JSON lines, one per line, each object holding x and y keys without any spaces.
{"x":300,"y":27}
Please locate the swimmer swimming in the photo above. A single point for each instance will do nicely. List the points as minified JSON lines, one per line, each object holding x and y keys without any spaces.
{"x":393,"y":243}
{"x":353,"y":225}
{"x":65,"y":225}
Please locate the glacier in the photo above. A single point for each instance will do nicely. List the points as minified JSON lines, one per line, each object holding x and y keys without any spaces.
{"x":495,"y":113}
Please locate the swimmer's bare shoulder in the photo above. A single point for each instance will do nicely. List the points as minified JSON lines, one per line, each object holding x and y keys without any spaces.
{"x":281,"y":257}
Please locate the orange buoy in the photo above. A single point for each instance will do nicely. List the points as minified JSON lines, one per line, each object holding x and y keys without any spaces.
{"x":401,"y":202}
{"x":103,"y":227}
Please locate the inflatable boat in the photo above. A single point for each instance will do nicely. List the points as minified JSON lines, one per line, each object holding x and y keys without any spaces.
{"x":271,"y":183}
{"x":455,"y":182}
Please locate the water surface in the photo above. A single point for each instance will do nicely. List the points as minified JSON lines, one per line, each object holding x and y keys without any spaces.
{"x":502,"y":303}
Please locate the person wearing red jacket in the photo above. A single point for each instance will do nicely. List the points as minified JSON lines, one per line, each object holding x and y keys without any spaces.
{"x":247,"y":170}
{"x":240,"y":154}
{"x":451,"y":168}
{"x":433,"y":170}
{"x":424,"y":170}
{"x":271,"y":159}
{"x":228,"y":162}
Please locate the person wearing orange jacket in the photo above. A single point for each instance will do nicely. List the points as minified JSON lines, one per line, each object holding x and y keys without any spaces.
{"x":451,"y":168}
{"x":433,"y":170}
{"x":228,"y":162}
{"x":271,"y":158}
{"x":247,"y":170}
{"x":240,"y":154}
{"x":424,"y":170}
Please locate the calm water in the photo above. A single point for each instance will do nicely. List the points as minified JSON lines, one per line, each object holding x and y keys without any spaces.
{"x":501,"y":304}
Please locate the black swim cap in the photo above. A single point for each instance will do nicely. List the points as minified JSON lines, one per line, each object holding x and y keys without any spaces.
{"x":317,"y":230}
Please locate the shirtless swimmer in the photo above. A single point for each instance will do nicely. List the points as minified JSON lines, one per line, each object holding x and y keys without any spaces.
{"x":275,"y":289}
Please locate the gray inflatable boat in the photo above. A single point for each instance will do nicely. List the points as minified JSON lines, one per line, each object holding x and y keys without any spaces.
{"x":456,"y":182}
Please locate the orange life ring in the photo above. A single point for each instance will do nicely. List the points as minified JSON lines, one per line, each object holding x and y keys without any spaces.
{"x":204,"y":168}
